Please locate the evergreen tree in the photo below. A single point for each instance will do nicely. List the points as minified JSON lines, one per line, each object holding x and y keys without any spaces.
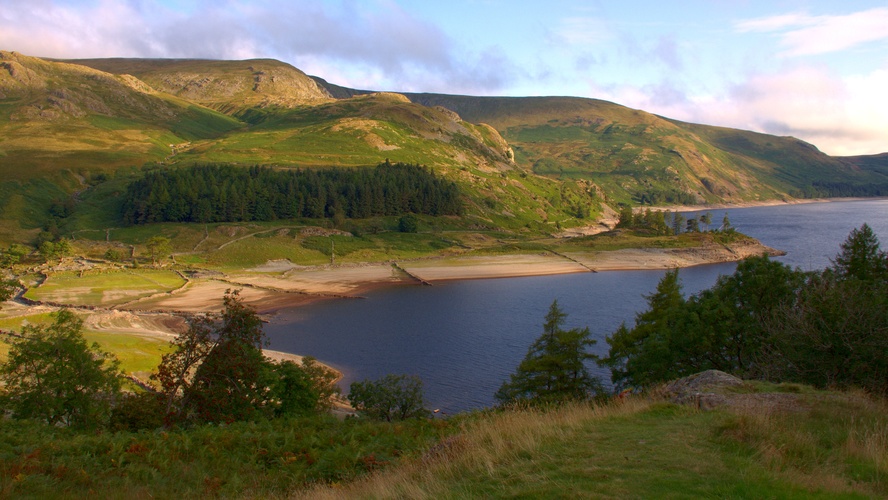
{"x":214,"y":193}
{"x":726,"y":223}
{"x":861,"y":257}
{"x":643,"y":355}
{"x":627,"y":218}
{"x":677,"y":221}
{"x":554,"y":368}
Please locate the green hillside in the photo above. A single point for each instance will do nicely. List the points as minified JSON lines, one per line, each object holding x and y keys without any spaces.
{"x":638,"y":157}
{"x":62,"y":125}
{"x":73,"y":130}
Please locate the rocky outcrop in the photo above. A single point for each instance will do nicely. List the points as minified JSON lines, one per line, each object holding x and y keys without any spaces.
{"x":715,"y":389}
{"x":702,"y":389}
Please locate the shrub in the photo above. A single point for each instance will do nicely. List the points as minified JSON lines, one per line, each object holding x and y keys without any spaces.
{"x":393,"y":397}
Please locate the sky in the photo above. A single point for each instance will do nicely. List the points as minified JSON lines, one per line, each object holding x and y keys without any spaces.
{"x":812,"y":69}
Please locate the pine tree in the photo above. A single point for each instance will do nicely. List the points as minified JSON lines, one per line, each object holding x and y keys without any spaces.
{"x":642,"y":355}
{"x":554,"y":368}
{"x":861,"y":257}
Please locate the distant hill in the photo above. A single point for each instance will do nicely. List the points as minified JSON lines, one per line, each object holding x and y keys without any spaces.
{"x":227,"y":86}
{"x":522,"y":161}
{"x":645,"y":158}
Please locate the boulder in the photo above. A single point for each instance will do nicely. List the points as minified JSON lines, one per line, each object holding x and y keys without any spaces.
{"x":701,"y":389}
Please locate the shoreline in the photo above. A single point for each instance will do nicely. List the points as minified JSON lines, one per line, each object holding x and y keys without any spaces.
{"x":270,"y":293}
{"x":753,"y":204}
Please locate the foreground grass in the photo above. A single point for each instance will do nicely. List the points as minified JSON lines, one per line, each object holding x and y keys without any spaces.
{"x":819,"y":445}
{"x":834,"y":447}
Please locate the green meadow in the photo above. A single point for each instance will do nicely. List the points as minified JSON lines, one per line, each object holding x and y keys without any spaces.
{"x":105,"y":287}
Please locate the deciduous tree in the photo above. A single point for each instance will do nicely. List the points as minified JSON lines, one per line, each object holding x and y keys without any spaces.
{"x":216,"y":372}
{"x":158,"y":247}
{"x":52,"y":374}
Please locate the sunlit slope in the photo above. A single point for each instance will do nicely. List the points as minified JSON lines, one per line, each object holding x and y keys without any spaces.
{"x":56,"y":116}
{"x":537,"y":162}
{"x":227,"y":86}
{"x":364,"y":130}
{"x":62,"y":124}
{"x":638,"y":156}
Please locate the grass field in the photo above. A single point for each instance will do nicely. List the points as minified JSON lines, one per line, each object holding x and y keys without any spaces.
{"x":104,"y":288}
{"x":139,"y":355}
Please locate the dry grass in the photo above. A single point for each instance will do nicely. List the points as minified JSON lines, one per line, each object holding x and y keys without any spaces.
{"x":837,"y":444}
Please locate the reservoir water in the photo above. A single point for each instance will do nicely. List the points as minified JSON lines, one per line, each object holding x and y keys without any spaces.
{"x":464,"y":338}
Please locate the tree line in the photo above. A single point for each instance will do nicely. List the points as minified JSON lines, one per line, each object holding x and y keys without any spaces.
{"x":225,"y":193}
{"x":669,"y":223}
{"x":767,"y":321}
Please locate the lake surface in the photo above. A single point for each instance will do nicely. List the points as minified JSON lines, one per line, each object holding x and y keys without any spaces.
{"x":465,"y":338}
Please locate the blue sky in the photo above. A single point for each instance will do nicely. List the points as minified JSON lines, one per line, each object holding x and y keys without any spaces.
{"x":816,"y":70}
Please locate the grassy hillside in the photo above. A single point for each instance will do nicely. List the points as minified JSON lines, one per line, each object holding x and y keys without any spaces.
{"x":62,"y":125}
{"x":105,"y":123}
{"x":801,"y":444}
{"x":638,"y":157}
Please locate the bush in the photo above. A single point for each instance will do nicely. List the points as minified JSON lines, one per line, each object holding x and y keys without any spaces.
{"x":137,"y":411}
{"x":53,"y":375}
{"x":393,"y":397}
{"x":408,"y":224}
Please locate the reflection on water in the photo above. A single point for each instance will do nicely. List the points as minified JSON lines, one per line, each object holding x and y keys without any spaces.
{"x":464,"y":338}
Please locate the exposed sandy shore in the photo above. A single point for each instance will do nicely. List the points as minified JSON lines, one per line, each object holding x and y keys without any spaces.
{"x":289,"y":286}
{"x":670,"y":258}
{"x":499,"y":266}
{"x":749,"y":204}
{"x":510,"y":266}
{"x":268,"y":292}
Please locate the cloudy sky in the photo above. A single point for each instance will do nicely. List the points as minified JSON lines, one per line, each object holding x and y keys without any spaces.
{"x":816,"y":69}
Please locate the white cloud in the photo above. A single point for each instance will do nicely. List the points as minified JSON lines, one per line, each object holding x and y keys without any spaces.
{"x":804,"y":35}
{"x":841,"y":116}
